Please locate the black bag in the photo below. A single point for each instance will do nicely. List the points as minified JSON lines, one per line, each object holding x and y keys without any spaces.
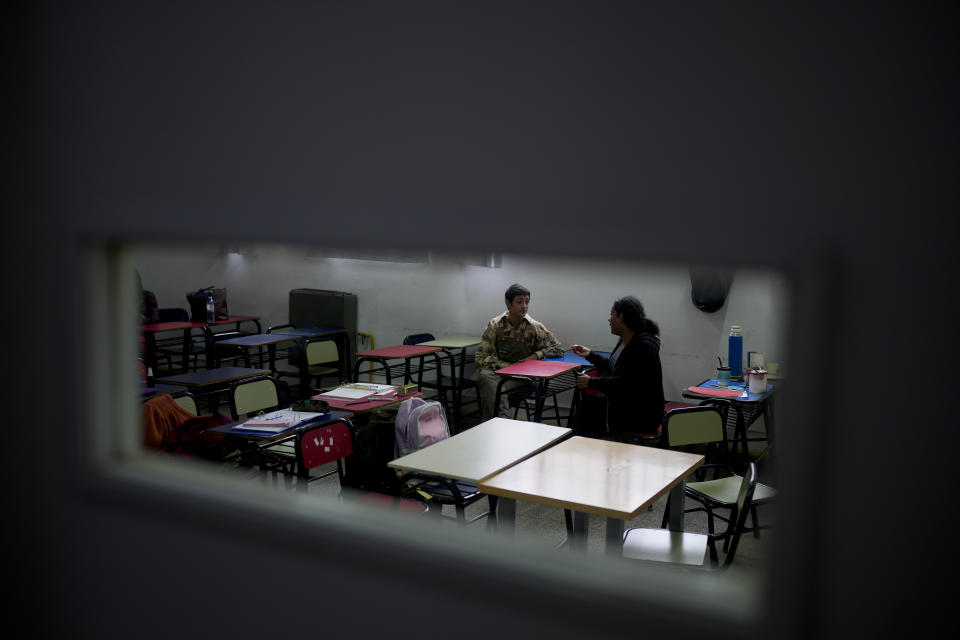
{"x":198,"y":304}
{"x":149,"y":311}
{"x":372,"y":449}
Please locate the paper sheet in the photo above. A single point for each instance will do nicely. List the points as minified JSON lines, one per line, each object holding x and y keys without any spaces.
{"x":356,"y":391}
{"x":277,"y":421}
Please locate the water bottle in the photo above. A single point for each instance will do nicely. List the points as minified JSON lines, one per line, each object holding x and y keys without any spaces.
{"x":210,"y":314}
{"x":735,"y":352}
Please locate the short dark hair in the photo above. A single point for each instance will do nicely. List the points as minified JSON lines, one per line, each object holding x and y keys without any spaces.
{"x":634,"y":316}
{"x":515,"y":290}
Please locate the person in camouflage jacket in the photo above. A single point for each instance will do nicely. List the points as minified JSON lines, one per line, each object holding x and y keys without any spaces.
{"x":511,"y":337}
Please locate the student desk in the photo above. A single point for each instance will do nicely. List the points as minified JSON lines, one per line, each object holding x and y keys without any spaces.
{"x":258,"y":341}
{"x":150,"y":332}
{"x":401,"y":351}
{"x":598,"y":477}
{"x":213,"y":381}
{"x":537,"y":374}
{"x":481,"y":451}
{"x":456,"y":348}
{"x":570,"y":356}
{"x":339,"y":334}
{"x":212,"y":377}
{"x":252,"y":443}
{"x":364,"y":405}
{"x":310,"y":332}
{"x":159,"y":390}
{"x":209,"y":336}
{"x":746,"y":408}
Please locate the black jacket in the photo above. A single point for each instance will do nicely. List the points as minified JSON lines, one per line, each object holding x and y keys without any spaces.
{"x":634,"y":387}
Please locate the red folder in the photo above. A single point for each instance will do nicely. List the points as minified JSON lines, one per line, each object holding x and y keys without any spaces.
{"x":538,"y":368}
{"x":720,"y":393}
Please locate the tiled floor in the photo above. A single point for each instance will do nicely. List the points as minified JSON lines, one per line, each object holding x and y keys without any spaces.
{"x":543,"y":524}
{"x":538,"y":523}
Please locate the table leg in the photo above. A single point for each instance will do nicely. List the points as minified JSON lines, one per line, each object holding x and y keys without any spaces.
{"x":187,"y":349}
{"x":272,"y":356}
{"x":454,"y":387}
{"x":578,"y":537}
{"x":457,"y":381}
{"x":614,"y":542}
{"x":440,"y":392}
{"x":506,"y":516}
{"x":675,"y":522}
{"x":540,"y":398}
{"x":150,"y":351}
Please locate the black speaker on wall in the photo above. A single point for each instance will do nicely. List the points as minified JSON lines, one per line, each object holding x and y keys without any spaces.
{"x":709,"y":288}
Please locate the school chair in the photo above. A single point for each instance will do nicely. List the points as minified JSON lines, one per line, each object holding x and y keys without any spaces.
{"x":721,"y":493}
{"x":187,"y":401}
{"x":317,"y":358}
{"x":420,"y":423}
{"x":250,"y":396}
{"x":688,"y":548}
{"x":457,"y":361}
{"x":704,"y":426}
{"x":334,"y":443}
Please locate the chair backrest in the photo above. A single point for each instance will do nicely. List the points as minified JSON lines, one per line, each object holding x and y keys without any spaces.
{"x":322,"y":351}
{"x":419,"y":423}
{"x":253,"y":395}
{"x":739,"y":512}
{"x":692,"y":425}
{"x":188,"y":402}
{"x":173,"y":314}
{"x":279,"y":327}
{"x":417,"y":338}
{"x":316,"y":447}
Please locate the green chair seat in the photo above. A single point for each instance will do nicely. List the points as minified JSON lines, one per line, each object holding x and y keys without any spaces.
{"x":725,"y":490}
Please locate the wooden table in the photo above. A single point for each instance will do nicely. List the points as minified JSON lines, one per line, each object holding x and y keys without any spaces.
{"x":537,"y":373}
{"x":598,"y":477}
{"x":482,"y":451}
{"x":450,"y":344}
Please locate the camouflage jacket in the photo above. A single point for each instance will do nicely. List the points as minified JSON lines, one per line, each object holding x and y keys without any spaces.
{"x":503,"y":344}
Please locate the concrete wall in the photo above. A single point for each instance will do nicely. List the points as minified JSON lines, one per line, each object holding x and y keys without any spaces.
{"x":450,"y":296}
{"x":813,"y":139}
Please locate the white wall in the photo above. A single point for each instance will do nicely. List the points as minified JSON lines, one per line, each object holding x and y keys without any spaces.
{"x":446,"y":296}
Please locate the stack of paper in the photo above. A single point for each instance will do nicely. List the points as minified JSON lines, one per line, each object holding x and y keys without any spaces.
{"x":277,"y":421}
{"x":358,"y":390}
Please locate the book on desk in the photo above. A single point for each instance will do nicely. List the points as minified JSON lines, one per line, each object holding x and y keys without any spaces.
{"x":277,"y":421}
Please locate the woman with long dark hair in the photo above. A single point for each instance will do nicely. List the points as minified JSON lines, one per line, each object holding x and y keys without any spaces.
{"x":631,"y":378}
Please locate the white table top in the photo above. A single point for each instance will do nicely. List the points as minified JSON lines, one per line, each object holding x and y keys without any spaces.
{"x":483,"y":450}
{"x":604,"y":478}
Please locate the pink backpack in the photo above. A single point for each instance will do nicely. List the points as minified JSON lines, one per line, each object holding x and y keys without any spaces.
{"x":419,"y":424}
